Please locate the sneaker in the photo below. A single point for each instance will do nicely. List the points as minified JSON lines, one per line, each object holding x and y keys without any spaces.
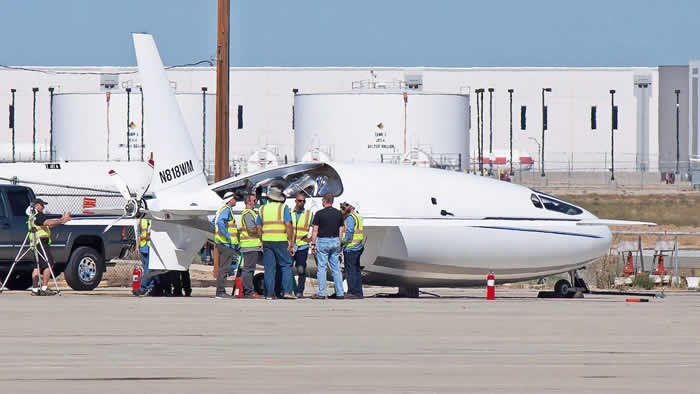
{"x":188,"y":293}
{"x":351,"y":296}
{"x":289,"y":296}
{"x":339,"y":297}
{"x":136,"y":292}
{"x":35,"y":291}
{"x":48,"y":292}
{"x":270,"y":298}
{"x":223,"y":296}
{"x":254,"y":296}
{"x":299,"y":295}
{"x":318,"y":297}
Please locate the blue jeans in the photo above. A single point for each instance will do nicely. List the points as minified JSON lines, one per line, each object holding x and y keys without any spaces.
{"x":352,"y":270}
{"x":329,"y":254}
{"x":147,"y":281}
{"x":276,"y":255}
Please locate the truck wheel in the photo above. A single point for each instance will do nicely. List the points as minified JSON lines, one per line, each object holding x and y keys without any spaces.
{"x":259,"y":283}
{"x":19,"y":281}
{"x":84,"y":269}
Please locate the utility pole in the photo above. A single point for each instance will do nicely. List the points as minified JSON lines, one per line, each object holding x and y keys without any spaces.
{"x":128,"y":124}
{"x":221,"y":170}
{"x":204,"y":129}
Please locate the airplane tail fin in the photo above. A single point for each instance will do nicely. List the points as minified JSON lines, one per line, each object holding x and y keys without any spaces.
{"x":176,"y":166}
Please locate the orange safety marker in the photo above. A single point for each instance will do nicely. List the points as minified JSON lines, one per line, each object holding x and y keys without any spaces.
{"x":238,"y":293}
{"x":490,"y":286}
{"x":636,"y":300}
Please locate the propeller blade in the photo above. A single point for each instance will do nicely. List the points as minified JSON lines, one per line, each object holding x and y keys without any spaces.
{"x":112,"y":224}
{"x":151,"y":164}
{"x":120,"y":184}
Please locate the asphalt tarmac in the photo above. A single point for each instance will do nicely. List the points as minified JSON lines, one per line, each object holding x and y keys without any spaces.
{"x":111,"y":342}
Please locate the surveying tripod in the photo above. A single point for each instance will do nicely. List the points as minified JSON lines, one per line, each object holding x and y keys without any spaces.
{"x":30,"y":245}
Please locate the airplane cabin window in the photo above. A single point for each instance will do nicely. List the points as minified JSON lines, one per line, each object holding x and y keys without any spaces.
{"x":559,"y":206}
{"x":535,"y":201}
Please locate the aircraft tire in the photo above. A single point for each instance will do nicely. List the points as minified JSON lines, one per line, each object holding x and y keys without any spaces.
{"x":561,"y":288}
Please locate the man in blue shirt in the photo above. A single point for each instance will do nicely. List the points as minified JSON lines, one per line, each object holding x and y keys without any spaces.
{"x":301,"y":223}
{"x":275,"y":223}
{"x":226,"y":240}
{"x":353,"y":246}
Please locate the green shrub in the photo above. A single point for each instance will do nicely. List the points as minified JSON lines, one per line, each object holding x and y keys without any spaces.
{"x":643,"y":281}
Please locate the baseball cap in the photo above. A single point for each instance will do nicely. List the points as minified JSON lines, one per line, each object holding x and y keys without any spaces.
{"x":39,"y":201}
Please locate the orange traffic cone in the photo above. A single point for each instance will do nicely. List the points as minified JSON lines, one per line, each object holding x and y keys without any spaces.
{"x":660,"y":268}
{"x":238,"y":293}
{"x":629,"y":268}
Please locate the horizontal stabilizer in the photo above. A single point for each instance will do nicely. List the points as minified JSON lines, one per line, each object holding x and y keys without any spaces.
{"x":613,"y":222}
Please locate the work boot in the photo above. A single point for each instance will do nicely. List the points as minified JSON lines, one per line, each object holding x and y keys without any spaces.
{"x":188,"y":292}
{"x":223,"y":295}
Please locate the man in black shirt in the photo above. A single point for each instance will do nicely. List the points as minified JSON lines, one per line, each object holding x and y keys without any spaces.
{"x":325,"y":244}
{"x":42,"y":225}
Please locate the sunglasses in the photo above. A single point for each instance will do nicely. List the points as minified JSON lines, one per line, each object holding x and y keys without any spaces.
{"x":304,"y":201}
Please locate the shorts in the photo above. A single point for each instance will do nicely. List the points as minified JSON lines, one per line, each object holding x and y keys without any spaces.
{"x":42,"y":263}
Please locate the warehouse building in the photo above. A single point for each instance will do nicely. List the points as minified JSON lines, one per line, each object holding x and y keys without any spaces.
{"x":286,"y":114}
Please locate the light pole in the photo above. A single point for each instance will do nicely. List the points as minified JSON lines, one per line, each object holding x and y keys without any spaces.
{"x":490,"y":131}
{"x":612,"y":134}
{"x":480,"y":128}
{"x":510,"y":99}
{"x":538,"y":148}
{"x":678,"y":111}
{"x":544,"y":127}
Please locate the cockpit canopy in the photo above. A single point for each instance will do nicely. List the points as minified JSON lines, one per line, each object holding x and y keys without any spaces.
{"x":313,"y":179}
{"x":543,"y":200}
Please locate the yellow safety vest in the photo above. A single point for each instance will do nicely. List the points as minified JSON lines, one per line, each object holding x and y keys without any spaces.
{"x":219,"y":236}
{"x":248,"y":241}
{"x":41,"y":231}
{"x":357,"y":235}
{"x":303,"y":230}
{"x":145,"y":225}
{"x":272,"y":218}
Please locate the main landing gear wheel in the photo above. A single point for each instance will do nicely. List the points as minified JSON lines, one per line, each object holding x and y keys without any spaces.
{"x":561,"y":288}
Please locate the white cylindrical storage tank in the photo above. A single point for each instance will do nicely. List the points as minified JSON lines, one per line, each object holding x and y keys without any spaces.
{"x":84,"y":122}
{"x":368,"y":125}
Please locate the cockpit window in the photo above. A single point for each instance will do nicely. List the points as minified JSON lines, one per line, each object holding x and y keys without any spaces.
{"x":535,"y":201}
{"x":559,"y":206}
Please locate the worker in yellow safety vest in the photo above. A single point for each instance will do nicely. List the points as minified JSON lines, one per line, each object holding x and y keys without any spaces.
{"x":301,"y":219}
{"x":40,"y":237}
{"x":143,"y":231}
{"x":353,"y":246}
{"x":251,"y":245}
{"x":226,"y":241}
{"x":275,"y":222}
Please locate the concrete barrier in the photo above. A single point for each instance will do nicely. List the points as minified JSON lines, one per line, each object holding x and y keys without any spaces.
{"x":693,"y":281}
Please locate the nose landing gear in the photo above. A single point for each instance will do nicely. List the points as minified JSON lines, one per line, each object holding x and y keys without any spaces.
{"x":564,"y":289}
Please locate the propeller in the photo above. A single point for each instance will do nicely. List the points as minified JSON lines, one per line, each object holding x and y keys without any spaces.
{"x":134,"y":205}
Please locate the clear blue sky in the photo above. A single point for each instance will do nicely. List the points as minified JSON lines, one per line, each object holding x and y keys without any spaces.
{"x":357,"y":33}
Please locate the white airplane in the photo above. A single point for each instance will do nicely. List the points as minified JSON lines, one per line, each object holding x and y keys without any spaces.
{"x":424,"y":227}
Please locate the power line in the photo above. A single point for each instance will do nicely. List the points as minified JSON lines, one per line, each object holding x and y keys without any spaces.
{"x":55,"y":72}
